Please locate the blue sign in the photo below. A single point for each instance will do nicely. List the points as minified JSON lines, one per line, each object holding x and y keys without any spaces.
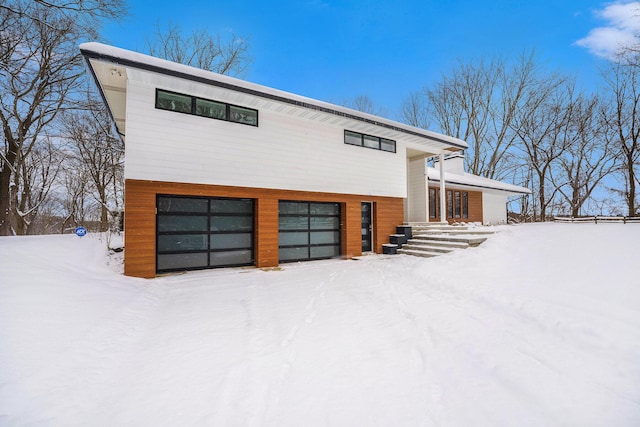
{"x":80,"y":231}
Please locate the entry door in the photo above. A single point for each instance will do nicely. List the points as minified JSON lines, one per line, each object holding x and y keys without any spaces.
{"x":367,"y":223}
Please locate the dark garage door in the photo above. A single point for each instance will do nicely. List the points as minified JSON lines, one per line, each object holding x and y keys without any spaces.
{"x":198,"y":232}
{"x":308,"y":231}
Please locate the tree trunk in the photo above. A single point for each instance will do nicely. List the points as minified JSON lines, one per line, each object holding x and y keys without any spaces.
{"x":575,"y":204}
{"x":631,"y":197}
{"x":5,"y":181}
{"x":541,"y":198}
{"x":104,"y":213}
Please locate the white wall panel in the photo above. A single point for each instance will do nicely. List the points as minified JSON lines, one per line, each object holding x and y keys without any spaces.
{"x":416,"y":208}
{"x":284,"y":151}
{"x":494,"y":209}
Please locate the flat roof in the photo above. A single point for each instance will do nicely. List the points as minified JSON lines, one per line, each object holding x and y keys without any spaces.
{"x":475,"y":181}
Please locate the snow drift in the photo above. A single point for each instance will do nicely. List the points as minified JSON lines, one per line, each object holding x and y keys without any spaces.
{"x":538,"y":326}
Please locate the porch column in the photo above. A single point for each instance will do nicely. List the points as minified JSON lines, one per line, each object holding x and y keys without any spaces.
{"x":443,"y":196}
{"x":426,"y":190}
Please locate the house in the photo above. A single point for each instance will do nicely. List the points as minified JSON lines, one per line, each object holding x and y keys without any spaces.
{"x":222,"y":172}
{"x":466,"y":198}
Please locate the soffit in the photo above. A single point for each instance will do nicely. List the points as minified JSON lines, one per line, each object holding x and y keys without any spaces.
{"x":112,"y":81}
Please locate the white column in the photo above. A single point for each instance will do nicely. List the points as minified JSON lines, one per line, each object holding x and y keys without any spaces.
{"x":443,"y":195}
{"x":426,"y":188}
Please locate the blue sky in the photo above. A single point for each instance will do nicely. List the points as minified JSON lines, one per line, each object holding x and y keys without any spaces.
{"x":338,"y":50}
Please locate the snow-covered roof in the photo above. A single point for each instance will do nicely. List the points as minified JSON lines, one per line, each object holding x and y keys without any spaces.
{"x":469,"y":180}
{"x":114,"y":55}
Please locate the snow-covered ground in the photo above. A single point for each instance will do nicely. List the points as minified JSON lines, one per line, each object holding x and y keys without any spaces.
{"x":539,"y":326}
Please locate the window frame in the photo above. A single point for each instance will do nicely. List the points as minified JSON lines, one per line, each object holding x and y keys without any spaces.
{"x":194,"y":112}
{"x":433,"y":203}
{"x":449,"y":194}
{"x":465,"y":204}
{"x":457,"y":200}
{"x":381,"y":142}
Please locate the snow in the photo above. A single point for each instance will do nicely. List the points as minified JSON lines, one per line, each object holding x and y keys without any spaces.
{"x":540,"y":325}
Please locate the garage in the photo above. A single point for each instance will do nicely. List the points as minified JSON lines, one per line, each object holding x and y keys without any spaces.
{"x":201,"y":232}
{"x":308,"y":231}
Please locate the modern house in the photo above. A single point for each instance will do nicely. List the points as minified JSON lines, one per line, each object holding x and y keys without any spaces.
{"x":222,"y":172}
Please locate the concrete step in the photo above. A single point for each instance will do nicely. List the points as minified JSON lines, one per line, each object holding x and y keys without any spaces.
{"x":429,"y":248}
{"x":423,"y":254}
{"x":439,"y":243}
{"x":435,"y":229}
{"x":433,"y":239}
{"x":465,"y":234}
{"x":470,"y":240}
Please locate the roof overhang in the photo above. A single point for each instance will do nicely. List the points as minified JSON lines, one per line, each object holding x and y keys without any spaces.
{"x":476,"y":183}
{"x":109,"y":65}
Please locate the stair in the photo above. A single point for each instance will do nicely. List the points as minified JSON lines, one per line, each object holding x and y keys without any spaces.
{"x":433,"y":239}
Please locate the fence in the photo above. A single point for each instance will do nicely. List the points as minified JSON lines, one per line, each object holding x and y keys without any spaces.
{"x":596,"y":219}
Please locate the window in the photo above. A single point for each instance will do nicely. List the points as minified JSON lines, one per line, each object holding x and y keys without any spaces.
{"x":352,"y":138}
{"x":433,"y":203}
{"x":387,"y":145}
{"x":214,"y":110}
{"x":173,"y":102}
{"x":181,"y":103}
{"x":457,"y":204}
{"x":369,"y":141}
{"x":465,"y":204}
{"x":244,"y":115}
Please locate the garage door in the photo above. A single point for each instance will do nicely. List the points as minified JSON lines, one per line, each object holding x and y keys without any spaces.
{"x":308,"y":231}
{"x":197,"y":232}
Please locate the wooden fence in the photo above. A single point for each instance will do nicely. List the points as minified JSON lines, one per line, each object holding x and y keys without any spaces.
{"x":596,"y":219}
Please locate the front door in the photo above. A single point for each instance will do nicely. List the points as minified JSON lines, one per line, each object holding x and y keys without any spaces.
{"x":367,"y":222}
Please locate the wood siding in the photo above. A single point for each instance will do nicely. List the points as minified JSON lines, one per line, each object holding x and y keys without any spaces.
{"x":140,"y":219}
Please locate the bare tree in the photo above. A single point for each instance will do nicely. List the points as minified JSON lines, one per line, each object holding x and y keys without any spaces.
{"x":200,"y":49}
{"x":542,"y":127}
{"x":364,"y":104}
{"x":414,"y":110}
{"x":100,"y":153}
{"x":40,"y":70}
{"x":73,"y":200}
{"x":86,"y":13}
{"x":588,"y":158}
{"x":32,"y":183}
{"x":623,"y":121}
{"x":461,"y":104}
{"x":477,"y":102}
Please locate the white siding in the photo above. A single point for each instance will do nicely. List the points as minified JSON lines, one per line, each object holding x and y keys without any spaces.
{"x":284,"y":152}
{"x":494,"y":209}
{"x":416,"y":208}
